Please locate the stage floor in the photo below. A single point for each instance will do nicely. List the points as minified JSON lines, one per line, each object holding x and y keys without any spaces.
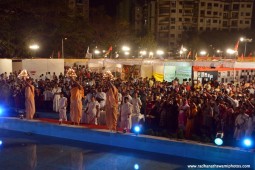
{"x":155,"y":145}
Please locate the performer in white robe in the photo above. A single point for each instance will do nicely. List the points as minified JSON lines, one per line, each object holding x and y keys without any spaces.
{"x":56,"y":93}
{"x":92,"y":111}
{"x":136,"y":115}
{"x":126,"y":112}
{"x":62,"y":108}
{"x":250,"y":126}
{"x":241,"y":125}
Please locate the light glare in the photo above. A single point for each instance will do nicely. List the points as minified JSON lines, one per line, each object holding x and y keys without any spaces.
{"x":126,"y":48}
{"x":247,"y":142}
{"x":97,"y":52}
{"x":202,"y":52}
{"x":160,"y":52}
{"x":34,"y":47}
{"x":230,"y":51}
{"x":218,"y":141}
{"x":136,"y":166}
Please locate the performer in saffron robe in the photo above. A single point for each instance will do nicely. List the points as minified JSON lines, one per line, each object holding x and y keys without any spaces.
{"x":111,"y":107}
{"x":77,"y":93}
{"x":29,"y":99}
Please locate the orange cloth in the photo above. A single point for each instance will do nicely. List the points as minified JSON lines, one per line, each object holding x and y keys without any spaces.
{"x":76,"y":104}
{"x":111,"y":108}
{"x":30,"y":101}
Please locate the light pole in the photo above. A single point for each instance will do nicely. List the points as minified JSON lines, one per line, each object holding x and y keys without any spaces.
{"x":63,"y":55}
{"x":245,"y":40}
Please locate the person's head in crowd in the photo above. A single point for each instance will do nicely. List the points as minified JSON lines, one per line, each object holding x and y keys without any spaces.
{"x":93,"y":99}
{"x":125,"y":99}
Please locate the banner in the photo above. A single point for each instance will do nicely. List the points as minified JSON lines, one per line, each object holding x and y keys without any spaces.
{"x":169,"y":73}
{"x":158,"y":77}
{"x":183,"y":73}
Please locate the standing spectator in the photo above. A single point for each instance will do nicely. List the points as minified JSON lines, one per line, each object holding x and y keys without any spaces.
{"x":183,"y":112}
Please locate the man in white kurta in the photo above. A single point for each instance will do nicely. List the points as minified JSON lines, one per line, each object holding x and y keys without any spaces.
{"x":92,"y":110}
{"x":126,"y":112}
{"x":56,"y":93}
{"x":62,"y":108}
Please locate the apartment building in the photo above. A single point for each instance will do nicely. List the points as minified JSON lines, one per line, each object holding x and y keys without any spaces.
{"x":169,"y":19}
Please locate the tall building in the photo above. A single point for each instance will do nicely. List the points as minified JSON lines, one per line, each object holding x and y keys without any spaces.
{"x":124,"y":10}
{"x":140,"y":17}
{"x":80,"y":7}
{"x":169,"y":19}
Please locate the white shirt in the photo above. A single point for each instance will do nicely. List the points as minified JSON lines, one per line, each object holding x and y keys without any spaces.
{"x":136,"y":105}
{"x":56,"y":90}
{"x":92,"y":107}
{"x":126,"y":109}
{"x":101,"y":95}
{"x":62,"y":103}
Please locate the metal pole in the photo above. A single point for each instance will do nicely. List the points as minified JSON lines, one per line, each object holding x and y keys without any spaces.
{"x":245,"y":48}
{"x":63,"y":56}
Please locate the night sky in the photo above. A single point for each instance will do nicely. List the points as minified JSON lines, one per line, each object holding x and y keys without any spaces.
{"x":110,"y":5}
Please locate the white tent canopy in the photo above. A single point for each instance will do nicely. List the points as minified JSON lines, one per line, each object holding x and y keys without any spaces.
{"x":5,"y":66}
{"x":37,"y":67}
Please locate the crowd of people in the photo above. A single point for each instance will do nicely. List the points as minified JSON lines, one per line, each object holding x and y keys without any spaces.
{"x":195,"y":110}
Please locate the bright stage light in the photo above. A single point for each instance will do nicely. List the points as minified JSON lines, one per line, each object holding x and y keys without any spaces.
{"x":1,"y":110}
{"x":1,"y":142}
{"x":247,"y":142}
{"x":136,"y":166}
{"x":219,"y":138}
{"x":137,"y":129}
{"x":218,"y":141}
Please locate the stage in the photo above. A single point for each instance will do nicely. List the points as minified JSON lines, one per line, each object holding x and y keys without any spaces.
{"x":183,"y":148}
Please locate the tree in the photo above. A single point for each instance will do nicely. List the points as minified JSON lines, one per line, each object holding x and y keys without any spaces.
{"x":45,"y":22}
